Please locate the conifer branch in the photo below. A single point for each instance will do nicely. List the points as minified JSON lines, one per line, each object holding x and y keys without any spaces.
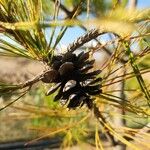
{"x":92,"y":34}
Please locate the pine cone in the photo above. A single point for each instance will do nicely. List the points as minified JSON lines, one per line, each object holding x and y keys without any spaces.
{"x":72,"y":76}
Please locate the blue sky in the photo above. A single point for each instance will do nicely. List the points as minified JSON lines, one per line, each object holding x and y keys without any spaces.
{"x":143,"y":4}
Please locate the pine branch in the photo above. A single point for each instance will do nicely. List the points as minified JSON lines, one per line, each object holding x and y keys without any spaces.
{"x":102,"y":120}
{"x":63,"y":8}
{"x":92,"y":34}
{"x":29,"y":83}
{"x":69,"y":13}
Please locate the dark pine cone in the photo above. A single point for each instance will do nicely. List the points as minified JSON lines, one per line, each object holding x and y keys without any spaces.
{"x":72,"y":76}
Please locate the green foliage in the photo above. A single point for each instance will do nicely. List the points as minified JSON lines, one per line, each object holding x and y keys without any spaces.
{"x":32,"y":42}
